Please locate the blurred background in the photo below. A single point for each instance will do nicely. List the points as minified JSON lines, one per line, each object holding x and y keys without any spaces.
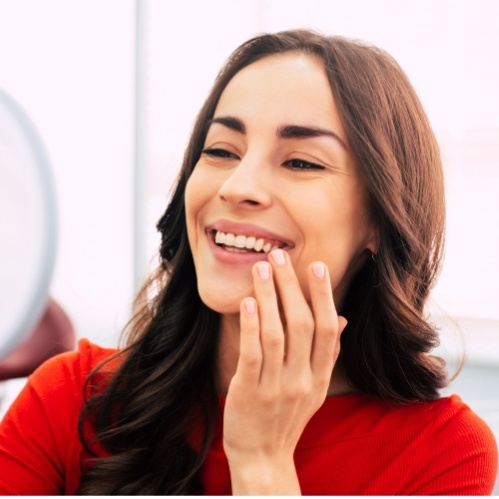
{"x":113,"y":87}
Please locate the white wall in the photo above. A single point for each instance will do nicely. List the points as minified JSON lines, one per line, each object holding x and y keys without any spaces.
{"x":70,"y":65}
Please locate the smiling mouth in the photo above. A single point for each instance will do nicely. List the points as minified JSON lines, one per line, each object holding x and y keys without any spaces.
{"x":240,"y":243}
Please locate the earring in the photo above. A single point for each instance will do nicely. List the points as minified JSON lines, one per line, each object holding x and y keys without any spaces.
{"x":373,"y":257}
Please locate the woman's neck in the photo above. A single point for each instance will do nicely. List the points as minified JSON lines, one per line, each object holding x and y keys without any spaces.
{"x":228,"y":352}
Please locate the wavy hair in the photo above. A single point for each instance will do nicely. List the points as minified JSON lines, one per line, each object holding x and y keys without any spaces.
{"x":153,"y":418}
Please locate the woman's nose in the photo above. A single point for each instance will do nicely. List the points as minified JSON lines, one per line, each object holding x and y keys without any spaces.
{"x":247,"y":186}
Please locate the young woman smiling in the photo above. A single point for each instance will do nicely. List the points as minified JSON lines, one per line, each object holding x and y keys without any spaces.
{"x":311,"y":194}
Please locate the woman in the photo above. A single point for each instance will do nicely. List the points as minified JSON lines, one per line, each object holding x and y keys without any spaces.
{"x":311,"y":194}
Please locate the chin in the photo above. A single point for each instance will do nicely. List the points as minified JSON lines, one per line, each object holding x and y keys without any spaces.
{"x":222,"y":307}
{"x":223,"y":301}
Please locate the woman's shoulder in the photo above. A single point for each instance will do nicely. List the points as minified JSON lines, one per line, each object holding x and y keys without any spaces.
{"x":455,"y":423}
{"x":451,"y":410}
{"x":423,"y":418}
{"x":443,"y":425}
{"x":432,"y":447}
{"x":71,"y":367}
{"x":458,"y":448}
{"x":39,"y":443}
{"x":450,"y":416}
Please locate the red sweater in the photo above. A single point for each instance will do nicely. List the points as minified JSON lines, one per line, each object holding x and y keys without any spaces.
{"x":353,"y":445}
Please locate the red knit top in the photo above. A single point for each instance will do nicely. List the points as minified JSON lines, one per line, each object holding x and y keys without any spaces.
{"x":353,"y":445}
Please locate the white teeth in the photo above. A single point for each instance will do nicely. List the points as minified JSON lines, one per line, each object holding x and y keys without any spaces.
{"x":229,"y":239}
{"x":240,"y":241}
{"x":259,"y":244}
{"x":250,"y":242}
{"x":243,"y":242}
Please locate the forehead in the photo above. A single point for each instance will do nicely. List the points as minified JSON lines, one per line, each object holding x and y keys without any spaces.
{"x":289,"y":88}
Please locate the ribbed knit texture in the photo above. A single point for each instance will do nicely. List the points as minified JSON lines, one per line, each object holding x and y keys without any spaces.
{"x":352,"y":446}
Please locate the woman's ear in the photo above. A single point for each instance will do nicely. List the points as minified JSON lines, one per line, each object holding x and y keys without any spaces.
{"x":372,"y":243}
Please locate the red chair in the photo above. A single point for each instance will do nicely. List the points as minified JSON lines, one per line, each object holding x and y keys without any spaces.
{"x":53,"y":334}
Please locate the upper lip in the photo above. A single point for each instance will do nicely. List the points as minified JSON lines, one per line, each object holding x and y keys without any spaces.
{"x":246,"y":229}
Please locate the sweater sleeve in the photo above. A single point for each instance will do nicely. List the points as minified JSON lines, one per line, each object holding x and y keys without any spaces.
{"x":462,"y":454}
{"x":39,"y":444}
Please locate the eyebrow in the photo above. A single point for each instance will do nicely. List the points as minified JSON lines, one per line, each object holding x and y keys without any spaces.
{"x":233,"y":123}
{"x":305,"y":132}
{"x":284,"y":132}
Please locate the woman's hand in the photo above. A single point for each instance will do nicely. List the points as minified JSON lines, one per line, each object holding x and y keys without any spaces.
{"x":287,"y":354}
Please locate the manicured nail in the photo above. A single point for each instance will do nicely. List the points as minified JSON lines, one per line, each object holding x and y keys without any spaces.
{"x":278,"y":256}
{"x":249,"y":305}
{"x":318,"y":270}
{"x":264,"y":270}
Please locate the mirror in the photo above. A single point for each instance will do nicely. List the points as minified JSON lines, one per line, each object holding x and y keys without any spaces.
{"x":28,"y":225}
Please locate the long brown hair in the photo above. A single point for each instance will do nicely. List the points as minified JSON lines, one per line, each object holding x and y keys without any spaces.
{"x":145,"y":416}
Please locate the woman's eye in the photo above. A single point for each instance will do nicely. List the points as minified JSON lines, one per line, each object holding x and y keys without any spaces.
{"x":300,"y":164}
{"x":219,"y":153}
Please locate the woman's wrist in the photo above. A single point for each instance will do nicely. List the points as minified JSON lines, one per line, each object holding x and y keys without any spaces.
{"x":264,"y":477}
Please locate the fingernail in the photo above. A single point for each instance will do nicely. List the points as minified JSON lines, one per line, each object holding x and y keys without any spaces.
{"x":249,"y":305}
{"x":264,"y":270}
{"x":318,"y":270}
{"x":278,"y":256}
